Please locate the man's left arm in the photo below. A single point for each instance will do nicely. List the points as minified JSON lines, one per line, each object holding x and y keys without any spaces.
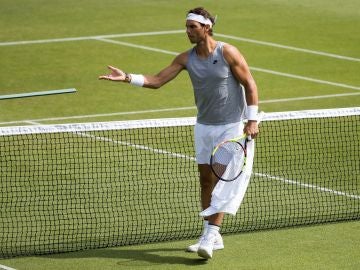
{"x":241,"y":71}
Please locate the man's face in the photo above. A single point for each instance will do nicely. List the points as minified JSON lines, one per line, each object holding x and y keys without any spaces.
{"x":195,"y":31}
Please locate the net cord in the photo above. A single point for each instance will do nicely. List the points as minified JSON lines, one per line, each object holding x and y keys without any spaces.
{"x":166,"y":122}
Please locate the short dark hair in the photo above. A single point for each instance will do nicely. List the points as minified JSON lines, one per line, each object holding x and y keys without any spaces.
{"x":203,"y":12}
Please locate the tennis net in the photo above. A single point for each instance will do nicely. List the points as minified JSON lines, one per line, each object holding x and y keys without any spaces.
{"x":71,"y":187}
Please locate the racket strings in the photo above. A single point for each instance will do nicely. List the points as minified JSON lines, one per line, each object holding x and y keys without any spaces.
{"x":228,"y":160}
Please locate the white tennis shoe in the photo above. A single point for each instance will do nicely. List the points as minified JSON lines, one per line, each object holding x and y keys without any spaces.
{"x":207,"y":244}
{"x":218,"y":244}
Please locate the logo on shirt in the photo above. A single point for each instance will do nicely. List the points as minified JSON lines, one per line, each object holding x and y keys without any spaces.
{"x":215,"y":61}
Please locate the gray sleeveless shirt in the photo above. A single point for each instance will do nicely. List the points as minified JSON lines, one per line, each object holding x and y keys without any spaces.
{"x":219,"y":97}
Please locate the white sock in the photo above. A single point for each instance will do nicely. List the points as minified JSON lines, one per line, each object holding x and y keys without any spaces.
{"x":205,"y":228}
{"x":213,"y":228}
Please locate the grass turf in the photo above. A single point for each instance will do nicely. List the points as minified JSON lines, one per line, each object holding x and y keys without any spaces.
{"x":316,"y":25}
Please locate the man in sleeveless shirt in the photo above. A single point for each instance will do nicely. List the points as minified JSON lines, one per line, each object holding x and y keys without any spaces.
{"x":225,"y":94}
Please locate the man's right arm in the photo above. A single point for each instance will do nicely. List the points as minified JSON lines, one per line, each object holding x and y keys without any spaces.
{"x":150,"y":81}
{"x":168,"y":73}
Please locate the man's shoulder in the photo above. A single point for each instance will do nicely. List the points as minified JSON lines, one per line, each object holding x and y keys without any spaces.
{"x":183,"y":57}
{"x":231,"y":53}
{"x":228,"y":48}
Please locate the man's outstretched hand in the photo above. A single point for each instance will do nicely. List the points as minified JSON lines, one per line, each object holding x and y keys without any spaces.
{"x":115,"y":75}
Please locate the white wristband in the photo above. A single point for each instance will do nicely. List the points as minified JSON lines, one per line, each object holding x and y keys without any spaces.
{"x":252,"y":112}
{"x":137,"y":79}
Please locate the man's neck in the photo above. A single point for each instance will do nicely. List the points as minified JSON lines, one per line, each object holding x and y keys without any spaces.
{"x":206,"y":47}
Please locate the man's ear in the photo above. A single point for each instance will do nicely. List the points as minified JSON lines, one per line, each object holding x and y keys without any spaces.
{"x":207,"y":28}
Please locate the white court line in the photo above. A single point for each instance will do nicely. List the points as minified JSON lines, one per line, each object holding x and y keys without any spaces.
{"x":168,"y":109}
{"x":177,"y":155}
{"x":342,"y":85}
{"x":259,"y":42}
{"x":128,"y":44}
{"x":137,"y":146}
{"x":297,"y":183}
{"x":4,"y":267}
{"x":44,"y":41}
{"x":271,"y":44}
{"x":100,"y":115}
{"x":308,"y":97}
{"x":305,"y":78}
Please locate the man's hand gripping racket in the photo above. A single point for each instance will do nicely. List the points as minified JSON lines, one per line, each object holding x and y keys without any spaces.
{"x":228,"y":159}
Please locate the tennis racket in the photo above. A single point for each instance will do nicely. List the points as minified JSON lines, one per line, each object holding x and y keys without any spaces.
{"x":228,"y":158}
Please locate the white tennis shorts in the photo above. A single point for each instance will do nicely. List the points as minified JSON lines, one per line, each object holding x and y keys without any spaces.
{"x":209,"y":136}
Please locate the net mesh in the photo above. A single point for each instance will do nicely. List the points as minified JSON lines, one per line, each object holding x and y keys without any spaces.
{"x":80,"y":186}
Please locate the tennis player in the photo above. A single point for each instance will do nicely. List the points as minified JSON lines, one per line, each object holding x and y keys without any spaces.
{"x":225,"y":94}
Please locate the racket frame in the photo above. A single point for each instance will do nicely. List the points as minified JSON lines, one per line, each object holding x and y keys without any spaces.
{"x":243,"y":147}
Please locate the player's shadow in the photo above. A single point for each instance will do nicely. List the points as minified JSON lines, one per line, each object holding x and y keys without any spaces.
{"x":138,"y":257}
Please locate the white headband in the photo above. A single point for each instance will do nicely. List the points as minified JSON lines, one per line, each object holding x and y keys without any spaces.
{"x":198,"y":18}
